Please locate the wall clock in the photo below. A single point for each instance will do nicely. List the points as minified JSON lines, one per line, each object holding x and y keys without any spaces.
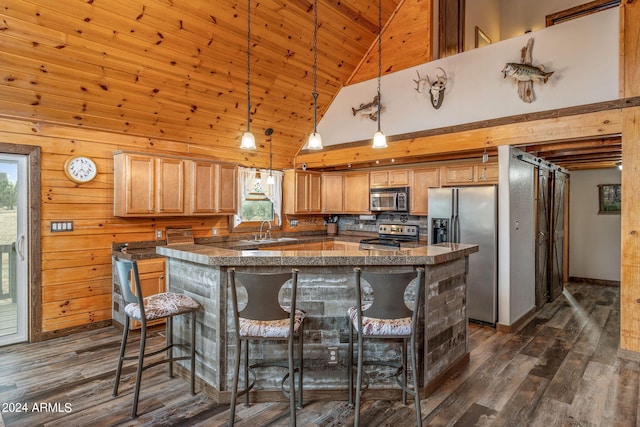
{"x":80,"y":169}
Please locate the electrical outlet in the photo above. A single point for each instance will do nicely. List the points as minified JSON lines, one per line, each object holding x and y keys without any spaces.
{"x":332,"y":355}
{"x":293,"y":222}
{"x":158,"y":233}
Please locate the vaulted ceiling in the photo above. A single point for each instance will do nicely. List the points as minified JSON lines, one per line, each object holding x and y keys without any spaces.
{"x":176,"y":70}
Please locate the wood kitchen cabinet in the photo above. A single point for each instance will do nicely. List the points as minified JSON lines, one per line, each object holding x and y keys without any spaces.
{"x":147,"y":185}
{"x":469,"y":174}
{"x":150,"y":185}
{"x":487,"y":173}
{"x":134,"y":184}
{"x":333,"y":192}
{"x":345,"y":193}
{"x":421,"y":181}
{"x":356,"y":193}
{"x":302,"y":192}
{"x":170,"y":186}
{"x":389,"y":178}
{"x":211,"y":188}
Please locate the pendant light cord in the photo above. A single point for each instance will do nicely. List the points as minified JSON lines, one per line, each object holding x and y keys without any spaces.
{"x":249,"y":66}
{"x":379,"y":57}
{"x":315,"y":65}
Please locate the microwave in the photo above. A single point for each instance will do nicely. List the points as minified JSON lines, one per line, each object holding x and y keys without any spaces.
{"x":389,"y":199}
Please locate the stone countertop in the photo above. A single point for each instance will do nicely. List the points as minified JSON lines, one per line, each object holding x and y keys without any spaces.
{"x":211,"y":255}
{"x":137,"y":251}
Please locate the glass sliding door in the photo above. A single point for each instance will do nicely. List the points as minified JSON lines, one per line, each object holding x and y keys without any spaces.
{"x":13,"y":249}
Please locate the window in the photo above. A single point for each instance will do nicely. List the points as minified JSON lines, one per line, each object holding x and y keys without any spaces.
{"x":256,"y":206}
{"x":258,"y":200}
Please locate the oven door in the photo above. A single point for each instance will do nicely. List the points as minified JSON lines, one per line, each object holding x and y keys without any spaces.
{"x":383,"y":201}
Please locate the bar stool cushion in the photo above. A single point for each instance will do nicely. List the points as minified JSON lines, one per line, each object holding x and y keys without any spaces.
{"x":374,"y":326}
{"x":162,"y":305}
{"x":270,"y":328}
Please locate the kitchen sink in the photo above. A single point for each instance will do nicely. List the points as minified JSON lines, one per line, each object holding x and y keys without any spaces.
{"x":281,"y":239}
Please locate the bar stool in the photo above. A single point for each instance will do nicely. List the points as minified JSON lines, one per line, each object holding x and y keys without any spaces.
{"x":387,"y":317}
{"x":146,"y":308}
{"x":263,"y":318}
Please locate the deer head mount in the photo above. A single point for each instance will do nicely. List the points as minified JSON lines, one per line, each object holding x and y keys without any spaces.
{"x":436,"y":87}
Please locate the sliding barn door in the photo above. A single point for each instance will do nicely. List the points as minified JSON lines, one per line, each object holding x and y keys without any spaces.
{"x":543,"y":230}
{"x":556,"y":280}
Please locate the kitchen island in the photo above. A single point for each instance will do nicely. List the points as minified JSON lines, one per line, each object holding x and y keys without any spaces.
{"x":325,"y":291}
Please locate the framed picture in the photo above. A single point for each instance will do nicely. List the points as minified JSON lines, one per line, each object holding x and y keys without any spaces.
{"x":609,"y":198}
{"x":481,"y":38}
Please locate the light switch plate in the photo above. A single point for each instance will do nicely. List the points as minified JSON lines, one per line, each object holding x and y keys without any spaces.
{"x":61,"y":226}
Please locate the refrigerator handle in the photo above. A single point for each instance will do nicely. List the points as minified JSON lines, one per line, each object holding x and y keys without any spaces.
{"x":456,"y":220}
{"x":451,"y":234}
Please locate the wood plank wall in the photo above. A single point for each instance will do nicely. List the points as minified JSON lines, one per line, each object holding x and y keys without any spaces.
{"x":76,"y":266}
{"x":630,"y":227}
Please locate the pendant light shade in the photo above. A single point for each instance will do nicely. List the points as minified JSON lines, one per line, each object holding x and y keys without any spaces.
{"x":379,"y":139}
{"x":248,"y":140}
{"x":315,"y":140}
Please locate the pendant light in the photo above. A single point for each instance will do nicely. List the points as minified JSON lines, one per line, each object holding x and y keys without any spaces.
{"x":270,"y":179}
{"x":315,"y":140}
{"x":248,"y":140}
{"x":379,"y":140}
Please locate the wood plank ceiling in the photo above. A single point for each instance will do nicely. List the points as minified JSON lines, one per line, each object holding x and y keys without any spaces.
{"x":176,"y":70}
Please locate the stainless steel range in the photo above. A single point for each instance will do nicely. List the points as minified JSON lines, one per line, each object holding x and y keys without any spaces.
{"x":391,"y":237}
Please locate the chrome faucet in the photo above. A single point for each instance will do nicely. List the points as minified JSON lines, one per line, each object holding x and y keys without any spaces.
{"x":267,"y":233}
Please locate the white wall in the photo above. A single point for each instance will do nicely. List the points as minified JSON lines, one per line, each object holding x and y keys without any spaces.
{"x":583,"y":53}
{"x":594,"y":240}
{"x":516,"y":236}
{"x":484,"y":14}
{"x":518,"y":16}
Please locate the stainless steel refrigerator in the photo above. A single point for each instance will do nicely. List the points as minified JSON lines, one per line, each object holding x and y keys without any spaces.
{"x":470,"y":215}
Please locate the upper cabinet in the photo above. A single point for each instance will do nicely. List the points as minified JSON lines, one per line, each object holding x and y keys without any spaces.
{"x":389,"y":178}
{"x":469,"y":174}
{"x":134,"y":185}
{"x":169,"y":186}
{"x":302,"y":192}
{"x":421,"y":181}
{"x":346,"y":193}
{"x":211,"y":188}
{"x":150,"y":185}
{"x":332,"y":192}
{"x":356,"y":193}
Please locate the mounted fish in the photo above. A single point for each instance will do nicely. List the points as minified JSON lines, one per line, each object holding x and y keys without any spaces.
{"x":437,"y":87}
{"x":525,"y":73}
{"x":370,"y":109}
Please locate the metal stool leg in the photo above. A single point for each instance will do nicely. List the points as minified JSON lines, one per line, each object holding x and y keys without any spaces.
{"x":350,"y":364}
{"x":404,"y":370}
{"x":246,"y":372}
{"x":169,"y":333}
{"x":123,"y":347}
{"x":301,"y":366}
{"x":193,"y":352}
{"x":292,"y":382}
{"x":414,"y":372}
{"x":136,"y":393}
{"x":234,"y":389}
{"x":356,"y":418}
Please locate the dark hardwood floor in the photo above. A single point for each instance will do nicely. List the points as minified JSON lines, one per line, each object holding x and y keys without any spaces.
{"x":560,"y":369}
